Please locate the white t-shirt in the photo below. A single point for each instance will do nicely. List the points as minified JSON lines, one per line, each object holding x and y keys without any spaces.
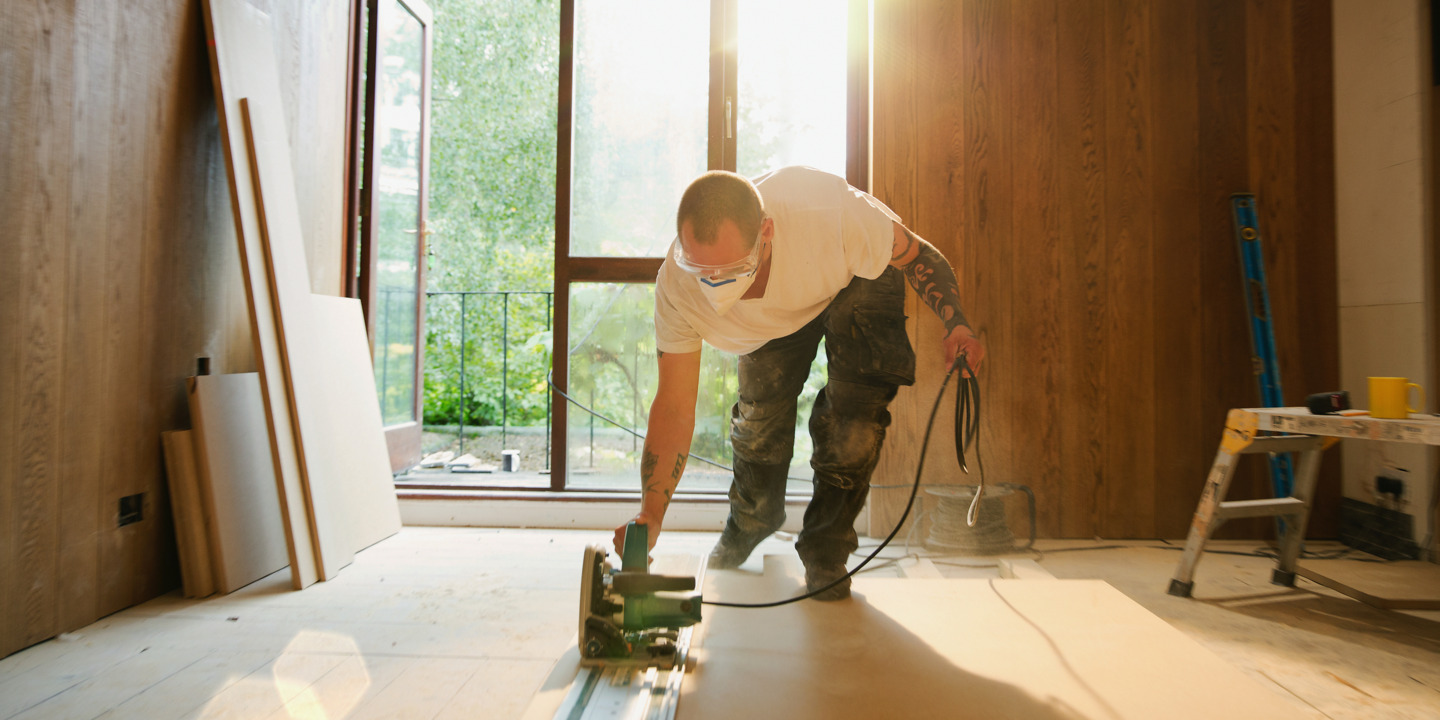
{"x":826,"y":234}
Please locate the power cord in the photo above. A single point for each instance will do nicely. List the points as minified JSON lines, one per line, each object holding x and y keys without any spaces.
{"x":964,"y":433}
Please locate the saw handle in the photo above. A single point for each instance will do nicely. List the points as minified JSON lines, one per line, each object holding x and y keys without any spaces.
{"x":636,"y":554}
{"x":643,"y":583}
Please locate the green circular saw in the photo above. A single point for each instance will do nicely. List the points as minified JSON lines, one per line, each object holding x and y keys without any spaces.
{"x":630,"y":614}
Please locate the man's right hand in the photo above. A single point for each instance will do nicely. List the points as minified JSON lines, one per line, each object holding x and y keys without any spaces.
{"x":644,"y":518}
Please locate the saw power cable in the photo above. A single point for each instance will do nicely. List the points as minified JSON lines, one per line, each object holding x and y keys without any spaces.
{"x":967,"y":427}
{"x":967,"y":420}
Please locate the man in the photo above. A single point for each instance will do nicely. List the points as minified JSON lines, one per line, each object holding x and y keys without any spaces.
{"x":765,"y":270}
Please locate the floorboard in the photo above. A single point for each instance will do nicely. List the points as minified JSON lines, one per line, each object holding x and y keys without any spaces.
{"x":460,"y":623}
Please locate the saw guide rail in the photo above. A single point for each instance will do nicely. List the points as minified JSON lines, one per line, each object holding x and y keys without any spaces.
{"x":634,"y":635}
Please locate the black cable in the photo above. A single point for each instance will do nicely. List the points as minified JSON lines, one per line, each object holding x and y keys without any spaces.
{"x":914,"y":489}
{"x":549,"y":380}
{"x":967,"y":430}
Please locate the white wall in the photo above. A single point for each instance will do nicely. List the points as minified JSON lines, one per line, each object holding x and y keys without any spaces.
{"x":1385,"y":234}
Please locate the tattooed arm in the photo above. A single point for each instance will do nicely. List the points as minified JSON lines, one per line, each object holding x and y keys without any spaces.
{"x":934,"y":281}
{"x":667,"y":440}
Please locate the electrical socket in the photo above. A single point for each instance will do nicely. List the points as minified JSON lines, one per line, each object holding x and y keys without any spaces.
{"x":131,"y":509}
{"x":1394,"y":487}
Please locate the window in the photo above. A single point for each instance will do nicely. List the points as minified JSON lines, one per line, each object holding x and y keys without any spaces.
{"x":573,"y":124}
{"x":658,"y":92}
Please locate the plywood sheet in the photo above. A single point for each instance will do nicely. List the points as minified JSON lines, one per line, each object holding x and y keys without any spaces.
{"x":1405,"y":585}
{"x":242,"y":61}
{"x":247,"y":533}
{"x":304,"y":368}
{"x":192,"y":537}
{"x":946,"y":648}
{"x":349,"y":425}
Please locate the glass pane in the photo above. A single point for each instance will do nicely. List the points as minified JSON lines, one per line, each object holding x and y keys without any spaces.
{"x":491,"y":208}
{"x":397,"y":139}
{"x":641,"y":79}
{"x":791,"y":85}
{"x":613,"y":373}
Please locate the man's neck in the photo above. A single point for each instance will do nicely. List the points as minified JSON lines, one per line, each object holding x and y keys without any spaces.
{"x":762,"y":278}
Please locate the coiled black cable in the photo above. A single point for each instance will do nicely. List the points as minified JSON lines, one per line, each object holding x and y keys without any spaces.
{"x":965,"y":432}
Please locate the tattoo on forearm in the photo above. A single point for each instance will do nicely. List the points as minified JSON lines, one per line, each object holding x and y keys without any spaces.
{"x":934,"y":281}
{"x":648,"y":460}
{"x":679,"y":467}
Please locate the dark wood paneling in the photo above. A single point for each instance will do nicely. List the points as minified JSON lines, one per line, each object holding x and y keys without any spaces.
{"x":1085,"y":208}
{"x":1082,"y":281}
{"x":1128,"y":496}
{"x":1035,"y":229}
{"x":1224,"y":133}
{"x":987,"y":200}
{"x":14,"y":54}
{"x":121,"y":269}
{"x":1179,"y":347}
{"x":1315,"y":262}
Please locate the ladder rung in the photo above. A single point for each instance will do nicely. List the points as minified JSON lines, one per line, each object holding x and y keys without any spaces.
{"x":1260,"y":508}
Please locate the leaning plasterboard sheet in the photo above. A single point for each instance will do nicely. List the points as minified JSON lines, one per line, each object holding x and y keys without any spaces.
{"x":242,"y":505}
{"x":301,"y":350}
{"x":349,"y":423}
{"x":242,"y":64}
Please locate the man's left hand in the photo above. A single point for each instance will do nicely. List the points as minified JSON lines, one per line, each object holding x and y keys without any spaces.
{"x":962,"y":341}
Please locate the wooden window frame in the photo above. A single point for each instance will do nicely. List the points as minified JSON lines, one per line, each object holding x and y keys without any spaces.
{"x":724,"y":71}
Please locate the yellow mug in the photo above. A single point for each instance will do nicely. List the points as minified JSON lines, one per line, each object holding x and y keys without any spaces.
{"x":1390,"y":397}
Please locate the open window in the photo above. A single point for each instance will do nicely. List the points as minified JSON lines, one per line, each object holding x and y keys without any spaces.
{"x":387,"y":251}
{"x":563,"y":133}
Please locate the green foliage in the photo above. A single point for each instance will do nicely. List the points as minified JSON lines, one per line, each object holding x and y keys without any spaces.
{"x":492,"y":211}
{"x":492,"y":207}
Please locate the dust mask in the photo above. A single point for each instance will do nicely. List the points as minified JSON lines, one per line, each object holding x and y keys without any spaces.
{"x":724,"y":294}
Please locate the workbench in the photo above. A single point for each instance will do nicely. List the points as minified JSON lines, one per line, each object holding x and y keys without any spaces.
{"x":1300,"y":432}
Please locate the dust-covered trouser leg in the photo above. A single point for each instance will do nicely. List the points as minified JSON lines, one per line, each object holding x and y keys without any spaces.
{"x":869,"y":358}
{"x":762,"y":434}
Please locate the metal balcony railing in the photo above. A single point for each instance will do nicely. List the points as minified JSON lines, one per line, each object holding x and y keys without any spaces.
{"x":476,"y":301}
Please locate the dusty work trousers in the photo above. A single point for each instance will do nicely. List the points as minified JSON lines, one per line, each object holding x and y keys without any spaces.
{"x":869,"y":357}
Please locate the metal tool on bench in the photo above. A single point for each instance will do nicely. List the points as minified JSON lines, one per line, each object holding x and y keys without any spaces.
{"x":630,"y":615}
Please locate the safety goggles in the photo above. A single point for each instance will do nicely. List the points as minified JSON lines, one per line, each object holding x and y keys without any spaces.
{"x":717,"y":275}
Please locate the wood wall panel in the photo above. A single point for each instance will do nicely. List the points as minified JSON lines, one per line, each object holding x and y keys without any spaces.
{"x":80,"y":463}
{"x":1128,"y":496}
{"x":120,"y":269}
{"x":1315,"y":259}
{"x":1081,"y":152}
{"x":1224,"y":139}
{"x":1035,"y":228}
{"x":1179,"y":347}
{"x":1087,"y":214}
{"x":987,"y":199}
{"x":11,"y":88}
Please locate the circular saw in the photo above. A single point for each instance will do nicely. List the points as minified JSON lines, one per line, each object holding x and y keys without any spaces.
{"x":630,"y":615}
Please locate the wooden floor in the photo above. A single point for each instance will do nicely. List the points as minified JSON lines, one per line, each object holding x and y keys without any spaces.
{"x":466,"y":623}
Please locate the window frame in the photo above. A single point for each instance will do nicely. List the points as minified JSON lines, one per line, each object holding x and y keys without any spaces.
{"x":721,"y":155}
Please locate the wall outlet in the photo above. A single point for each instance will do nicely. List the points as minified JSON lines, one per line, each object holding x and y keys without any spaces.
{"x":1392,"y":486}
{"x":132,"y":509}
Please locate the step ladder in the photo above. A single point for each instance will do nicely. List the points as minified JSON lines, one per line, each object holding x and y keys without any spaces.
{"x":1242,"y":437}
